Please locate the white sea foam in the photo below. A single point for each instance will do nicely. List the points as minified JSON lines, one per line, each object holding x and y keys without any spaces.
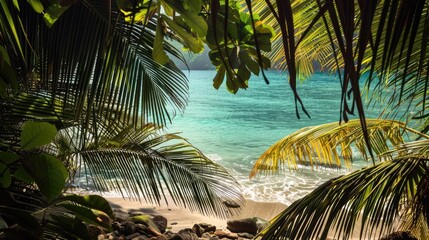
{"x":214,"y":157}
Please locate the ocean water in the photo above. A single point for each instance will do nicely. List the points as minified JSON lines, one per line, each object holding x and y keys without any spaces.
{"x":234,"y":130}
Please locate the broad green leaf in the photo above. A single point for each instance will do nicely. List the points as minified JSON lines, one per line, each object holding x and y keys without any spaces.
{"x":230,"y":85}
{"x":36,"y":5}
{"x":158,"y":52}
{"x":22,"y":174}
{"x":8,"y":157}
{"x":48,"y":172}
{"x":83,"y":213}
{"x":70,"y":227}
{"x":37,"y":134}
{"x":5,"y":178}
{"x":192,"y":19}
{"x":53,"y":13}
{"x":195,"y":45}
{"x":192,"y":5}
{"x":250,"y":62}
{"x":91,"y":201}
{"x":218,"y":79}
{"x":3,"y":224}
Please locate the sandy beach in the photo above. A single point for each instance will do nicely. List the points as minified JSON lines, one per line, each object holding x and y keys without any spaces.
{"x":180,"y":218}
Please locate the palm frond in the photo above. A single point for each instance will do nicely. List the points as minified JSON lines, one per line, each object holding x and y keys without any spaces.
{"x":375,"y":195}
{"x":95,"y":58}
{"x":328,"y":144}
{"x":146,"y":164}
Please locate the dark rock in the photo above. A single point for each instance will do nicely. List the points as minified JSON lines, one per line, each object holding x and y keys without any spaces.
{"x":162,"y":237}
{"x":209,"y":228}
{"x":136,"y":213}
{"x":94,"y":231}
{"x":173,"y":223}
{"x":220,"y":233}
{"x":141,"y":228}
{"x":116,"y":226}
{"x":231,"y":236}
{"x":185,"y":234}
{"x":131,"y":236}
{"x":146,"y":220}
{"x":198,"y":230}
{"x":112,"y":236}
{"x":128,"y":228}
{"x":169,"y":234}
{"x":206,"y":235}
{"x":120,"y":215}
{"x":248,"y":225}
{"x":401,"y":235}
{"x":245,"y":235}
{"x":141,"y":237}
{"x":160,"y":222}
{"x":152,"y":231}
{"x":204,"y":225}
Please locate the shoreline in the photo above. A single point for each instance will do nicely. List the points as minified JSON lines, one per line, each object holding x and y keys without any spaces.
{"x":180,"y":218}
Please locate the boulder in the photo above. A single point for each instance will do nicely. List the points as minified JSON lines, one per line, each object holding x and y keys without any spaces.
{"x":245,"y":235}
{"x":146,"y":220}
{"x":220,"y":233}
{"x":120,"y":215}
{"x":161,"y":222}
{"x":246,"y":225}
{"x":185,"y":234}
{"x":132,"y":236}
{"x":94,"y":231}
{"x":128,"y":228}
{"x":198,"y":230}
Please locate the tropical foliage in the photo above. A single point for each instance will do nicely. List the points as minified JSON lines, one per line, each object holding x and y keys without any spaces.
{"x":30,"y":212}
{"x":95,"y":70}
{"x":387,"y":40}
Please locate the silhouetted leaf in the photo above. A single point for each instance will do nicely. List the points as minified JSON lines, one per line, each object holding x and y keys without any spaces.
{"x":48,"y":172}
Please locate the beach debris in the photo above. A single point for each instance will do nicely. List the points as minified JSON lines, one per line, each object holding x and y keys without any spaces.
{"x":231,"y":204}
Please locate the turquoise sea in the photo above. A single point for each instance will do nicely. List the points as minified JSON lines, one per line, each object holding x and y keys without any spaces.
{"x":234,"y":130}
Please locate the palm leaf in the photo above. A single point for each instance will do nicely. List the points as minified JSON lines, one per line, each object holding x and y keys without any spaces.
{"x":93,"y":60}
{"x":149,"y":165}
{"x":328,"y":144}
{"x":375,"y":195}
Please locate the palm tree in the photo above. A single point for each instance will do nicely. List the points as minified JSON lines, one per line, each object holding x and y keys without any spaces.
{"x":98,"y":72}
{"x":387,"y":40}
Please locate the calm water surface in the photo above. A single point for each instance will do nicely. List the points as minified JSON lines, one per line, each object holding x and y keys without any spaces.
{"x":234,"y":130}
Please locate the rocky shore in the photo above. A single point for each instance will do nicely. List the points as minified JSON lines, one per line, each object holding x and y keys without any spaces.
{"x":136,"y":225}
{"x":138,"y":221}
